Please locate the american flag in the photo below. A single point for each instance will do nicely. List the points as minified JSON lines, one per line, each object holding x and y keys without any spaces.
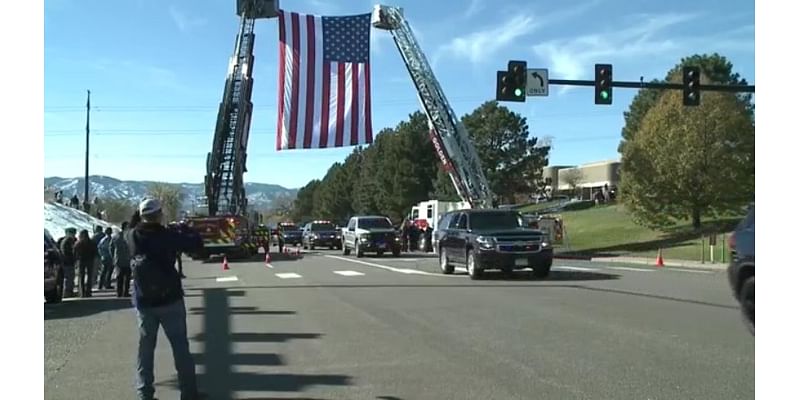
{"x":323,"y":81}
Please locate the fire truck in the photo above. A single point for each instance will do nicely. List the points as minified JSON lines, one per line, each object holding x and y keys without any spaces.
{"x":224,"y":221}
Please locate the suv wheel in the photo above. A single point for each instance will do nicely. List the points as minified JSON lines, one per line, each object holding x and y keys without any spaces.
{"x":444,"y":262}
{"x":542,"y":270}
{"x":474,"y":271}
{"x":747,"y":299}
{"x":359,"y":250}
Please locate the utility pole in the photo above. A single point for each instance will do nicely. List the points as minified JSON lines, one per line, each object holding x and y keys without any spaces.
{"x":86,"y":171}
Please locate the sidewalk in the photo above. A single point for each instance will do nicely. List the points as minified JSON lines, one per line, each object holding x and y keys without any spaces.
{"x":667,"y":263}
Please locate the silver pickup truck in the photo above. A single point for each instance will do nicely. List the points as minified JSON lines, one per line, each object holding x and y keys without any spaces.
{"x":371,"y":233}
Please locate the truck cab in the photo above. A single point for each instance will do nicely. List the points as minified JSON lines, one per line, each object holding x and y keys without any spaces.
{"x":370,"y":233}
{"x":427,"y":214}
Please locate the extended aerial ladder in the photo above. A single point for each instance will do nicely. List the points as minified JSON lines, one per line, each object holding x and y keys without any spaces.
{"x":226,"y":226}
{"x":449,"y":136}
{"x":226,"y":163}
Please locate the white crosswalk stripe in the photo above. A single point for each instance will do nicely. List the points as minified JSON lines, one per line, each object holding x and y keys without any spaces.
{"x":288,"y":275}
{"x":348,"y":273}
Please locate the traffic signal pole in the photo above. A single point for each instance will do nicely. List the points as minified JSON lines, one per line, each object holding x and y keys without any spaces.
{"x":536,"y":82}
{"x":658,"y":85}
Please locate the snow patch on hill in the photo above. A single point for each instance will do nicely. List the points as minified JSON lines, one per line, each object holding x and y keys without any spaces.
{"x":58,"y":217}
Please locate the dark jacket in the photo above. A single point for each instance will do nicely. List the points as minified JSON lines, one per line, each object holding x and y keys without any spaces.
{"x":161,"y":245}
{"x":85,"y":251}
{"x":97,"y":238}
{"x":67,"y":247}
{"x":120,"y":252}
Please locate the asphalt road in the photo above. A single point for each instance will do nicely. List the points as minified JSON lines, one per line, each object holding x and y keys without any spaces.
{"x":325,"y":326}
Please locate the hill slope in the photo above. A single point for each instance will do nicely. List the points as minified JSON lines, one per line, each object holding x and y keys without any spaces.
{"x":258,"y":194}
{"x":58,"y":217}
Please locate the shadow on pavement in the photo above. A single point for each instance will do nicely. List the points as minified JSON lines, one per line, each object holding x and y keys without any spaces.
{"x":247,"y":310}
{"x":78,"y":308}
{"x":220,"y":381}
{"x":554,"y":276}
{"x":471,"y":284}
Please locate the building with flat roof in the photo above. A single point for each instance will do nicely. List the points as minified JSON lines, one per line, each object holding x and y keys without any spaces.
{"x":593,"y":177}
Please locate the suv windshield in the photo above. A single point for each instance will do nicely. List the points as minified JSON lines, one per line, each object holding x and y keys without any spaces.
{"x":495,"y":220}
{"x":368,"y":223}
{"x":290,"y":227}
{"x":323,"y":227}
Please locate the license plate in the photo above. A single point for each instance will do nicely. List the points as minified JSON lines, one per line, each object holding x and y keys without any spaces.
{"x":521,"y":262}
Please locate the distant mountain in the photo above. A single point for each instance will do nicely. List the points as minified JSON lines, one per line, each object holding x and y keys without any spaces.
{"x":260,"y":195}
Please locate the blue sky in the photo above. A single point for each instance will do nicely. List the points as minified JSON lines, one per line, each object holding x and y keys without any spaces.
{"x":156,"y":69}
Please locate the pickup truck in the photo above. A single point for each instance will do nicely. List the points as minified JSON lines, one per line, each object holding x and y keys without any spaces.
{"x":371,"y":233}
{"x":491,"y":239}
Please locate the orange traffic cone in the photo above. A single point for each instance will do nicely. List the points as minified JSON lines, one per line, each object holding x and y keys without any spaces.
{"x":225,"y":263}
{"x":659,"y":259}
{"x":267,"y":260}
{"x":297,"y":251}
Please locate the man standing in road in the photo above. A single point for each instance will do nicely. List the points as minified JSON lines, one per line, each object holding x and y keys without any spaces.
{"x":106,"y":259}
{"x":158,"y":298}
{"x":68,"y":264}
{"x":120,"y":255}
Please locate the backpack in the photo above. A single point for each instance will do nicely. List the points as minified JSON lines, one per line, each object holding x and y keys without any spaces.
{"x":153,"y":280}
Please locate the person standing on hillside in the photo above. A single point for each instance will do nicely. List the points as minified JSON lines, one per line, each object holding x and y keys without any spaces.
{"x":122,"y":261}
{"x":85,"y":253}
{"x":158,"y":299}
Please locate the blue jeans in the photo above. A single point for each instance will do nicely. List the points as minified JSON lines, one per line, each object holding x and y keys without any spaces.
{"x":173,"y":318}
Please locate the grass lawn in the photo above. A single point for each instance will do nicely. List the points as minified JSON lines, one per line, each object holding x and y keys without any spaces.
{"x":610,"y":230}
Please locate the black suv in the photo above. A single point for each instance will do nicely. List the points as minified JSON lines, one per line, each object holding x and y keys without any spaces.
{"x":289,"y":234}
{"x":321,"y":234}
{"x":741,"y":271}
{"x":485,"y":239}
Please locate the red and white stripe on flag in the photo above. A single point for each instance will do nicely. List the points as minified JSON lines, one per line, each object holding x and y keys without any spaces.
{"x":323,"y":81}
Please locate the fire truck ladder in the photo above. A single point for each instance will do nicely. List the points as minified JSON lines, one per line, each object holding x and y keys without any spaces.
{"x":225,"y":164}
{"x":465,"y":172}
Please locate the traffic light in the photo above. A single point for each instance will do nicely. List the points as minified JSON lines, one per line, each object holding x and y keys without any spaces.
{"x":518,"y":74}
{"x":602,"y":84}
{"x":504,"y":90}
{"x":511,"y":83}
{"x":691,"y":86}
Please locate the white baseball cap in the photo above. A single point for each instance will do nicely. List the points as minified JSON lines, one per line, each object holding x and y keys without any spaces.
{"x":149,"y":206}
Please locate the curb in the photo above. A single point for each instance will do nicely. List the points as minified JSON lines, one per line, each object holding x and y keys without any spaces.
{"x":625,"y":260}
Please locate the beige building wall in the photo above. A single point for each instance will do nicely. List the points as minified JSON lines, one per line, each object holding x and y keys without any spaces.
{"x":594,"y":176}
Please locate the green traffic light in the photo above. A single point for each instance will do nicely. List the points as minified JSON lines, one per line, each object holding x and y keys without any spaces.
{"x":517,"y":92}
{"x":604,"y":94}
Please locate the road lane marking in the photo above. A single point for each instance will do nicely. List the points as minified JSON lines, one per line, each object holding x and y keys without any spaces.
{"x":288,"y":275}
{"x":694,"y":271}
{"x":227,"y":279}
{"x":386,"y":267}
{"x":631,"y":269}
{"x":581,"y":269}
{"x":348,"y":273}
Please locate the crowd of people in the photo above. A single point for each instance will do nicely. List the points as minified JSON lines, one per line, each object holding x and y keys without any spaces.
{"x":144,"y":252}
{"x":75,"y":202}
